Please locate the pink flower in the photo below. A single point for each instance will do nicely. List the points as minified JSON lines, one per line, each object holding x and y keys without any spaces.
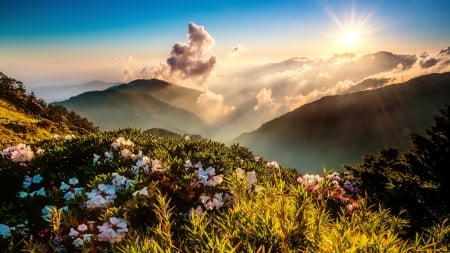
{"x":112,"y":231}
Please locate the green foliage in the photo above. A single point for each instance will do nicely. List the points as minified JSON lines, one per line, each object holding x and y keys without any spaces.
{"x":178,"y":203}
{"x":416,"y":182}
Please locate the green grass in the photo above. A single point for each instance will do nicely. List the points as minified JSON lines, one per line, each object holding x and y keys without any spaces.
{"x":168,"y":207}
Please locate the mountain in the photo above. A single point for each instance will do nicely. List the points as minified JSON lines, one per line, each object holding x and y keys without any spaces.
{"x":25,"y":118}
{"x":58,"y":93}
{"x":141,"y":104}
{"x":340,"y":129}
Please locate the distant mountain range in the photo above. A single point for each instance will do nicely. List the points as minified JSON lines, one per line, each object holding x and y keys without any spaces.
{"x":58,"y":93}
{"x":338,"y":130}
{"x":141,"y":104}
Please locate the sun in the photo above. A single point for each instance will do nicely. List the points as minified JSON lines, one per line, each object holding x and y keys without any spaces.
{"x":350,"y":38}
{"x":352,"y":30}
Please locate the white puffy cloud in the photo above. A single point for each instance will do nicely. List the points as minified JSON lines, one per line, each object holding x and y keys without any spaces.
{"x":213,"y":106}
{"x":190,"y":60}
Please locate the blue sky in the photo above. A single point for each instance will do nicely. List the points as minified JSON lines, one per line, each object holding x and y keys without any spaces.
{"x":57,"y":41}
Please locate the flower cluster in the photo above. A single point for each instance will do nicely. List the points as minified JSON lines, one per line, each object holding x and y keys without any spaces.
{"x":335,"y":187}
{"x":206,"y":177}
{"x":272,"y":165}
{"x":70,"y":190}
{"x":312,"y":182}
{"x":80,"y":236}
{"x":250,"y":177}
{"x":19,"y":153}
{"x":5,"y":231}
{"x":28,"y":182}
{"x":214,"y":202}
{"x":121,"y":143}
{"x":147,"y":165}
{"x":105,"y":194}
{"x":113,"y":230}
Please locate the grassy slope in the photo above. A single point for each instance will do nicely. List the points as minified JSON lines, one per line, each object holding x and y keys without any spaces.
{"x":17,"y":126}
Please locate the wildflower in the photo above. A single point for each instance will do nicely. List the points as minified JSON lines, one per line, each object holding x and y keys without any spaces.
{"x":212,"y":202}
{"x":272,"y":165}
{"x":95,"y":160}
{"x":310,"y":181}
{"x":188,"y":165}
{"x":103,"y":195}
{"x":351,"y":186}
{"x":37,"y":179}
{"x":334,"y":177}
{"x":20,"y":153}
{"x":196,"y":212}
{"x":108,"y":156}
{"x":27,"y":182}
{"x":40,"y":192}
{"x":352,"y":207}
{"x":40,"y":151}
{"x":142,"y":191}
{"x":121,"y":182}
{"x":112,"y":231}
{"x":250,"y":177}
{"x":125,"y":153}
{"x":121,"y":142}
{"x":70,"y":189}
{"x":208,"y":177}
{"x":56,"y":137}
{"x":144,"y":163}
{"x":80,"y":235}
{"x":47,"y":211}
{"x":5,"y":231}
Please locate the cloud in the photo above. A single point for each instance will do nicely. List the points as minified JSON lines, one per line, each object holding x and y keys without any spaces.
{"x":265,"y":101}
{"x":190,"y":60}
{"x":213,"y":106}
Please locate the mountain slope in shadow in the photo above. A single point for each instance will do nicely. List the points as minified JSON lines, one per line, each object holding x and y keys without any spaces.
{"x":338,"y":130}
{"x":142,"y":104}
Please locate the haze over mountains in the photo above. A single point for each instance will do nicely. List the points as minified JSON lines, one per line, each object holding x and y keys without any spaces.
{"x":262,"y":93}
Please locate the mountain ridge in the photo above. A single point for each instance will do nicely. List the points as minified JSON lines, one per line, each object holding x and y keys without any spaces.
{"x":341,"y":128}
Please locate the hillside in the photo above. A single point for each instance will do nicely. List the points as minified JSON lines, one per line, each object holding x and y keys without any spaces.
{"x":25,"y":118}
{"x":142,"y":104}
{"x":340,"y":129}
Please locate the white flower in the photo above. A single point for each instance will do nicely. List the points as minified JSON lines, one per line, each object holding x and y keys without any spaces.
{"x":81,"y":236}
{"x":95,"y":160}
{"x":5,"y":231}
{"x":27,"y":182}
{"x":40,"y":192}
{"x":142,"y":191}
{"x":121,"y":182}
{"x":108,"y":156}
{"x":196,"y":212}
{"x":23,"y":194}
{"x":125,"y":153}
{"x":103,"y":195}
{"x":19,"y":153}
{"x":212,"y":202}
{"x":310,"y":181}
{"x":71,"y":190}
{"x":64,"y":187}
{"x":37,"y":179}
{"x":121,"y":142}
{"x":73,"y":181}
{"x":112,"y":231}
{"x":273,"y":164}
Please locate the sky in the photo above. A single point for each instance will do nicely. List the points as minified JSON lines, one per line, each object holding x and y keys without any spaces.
{"x":55,"y":42}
